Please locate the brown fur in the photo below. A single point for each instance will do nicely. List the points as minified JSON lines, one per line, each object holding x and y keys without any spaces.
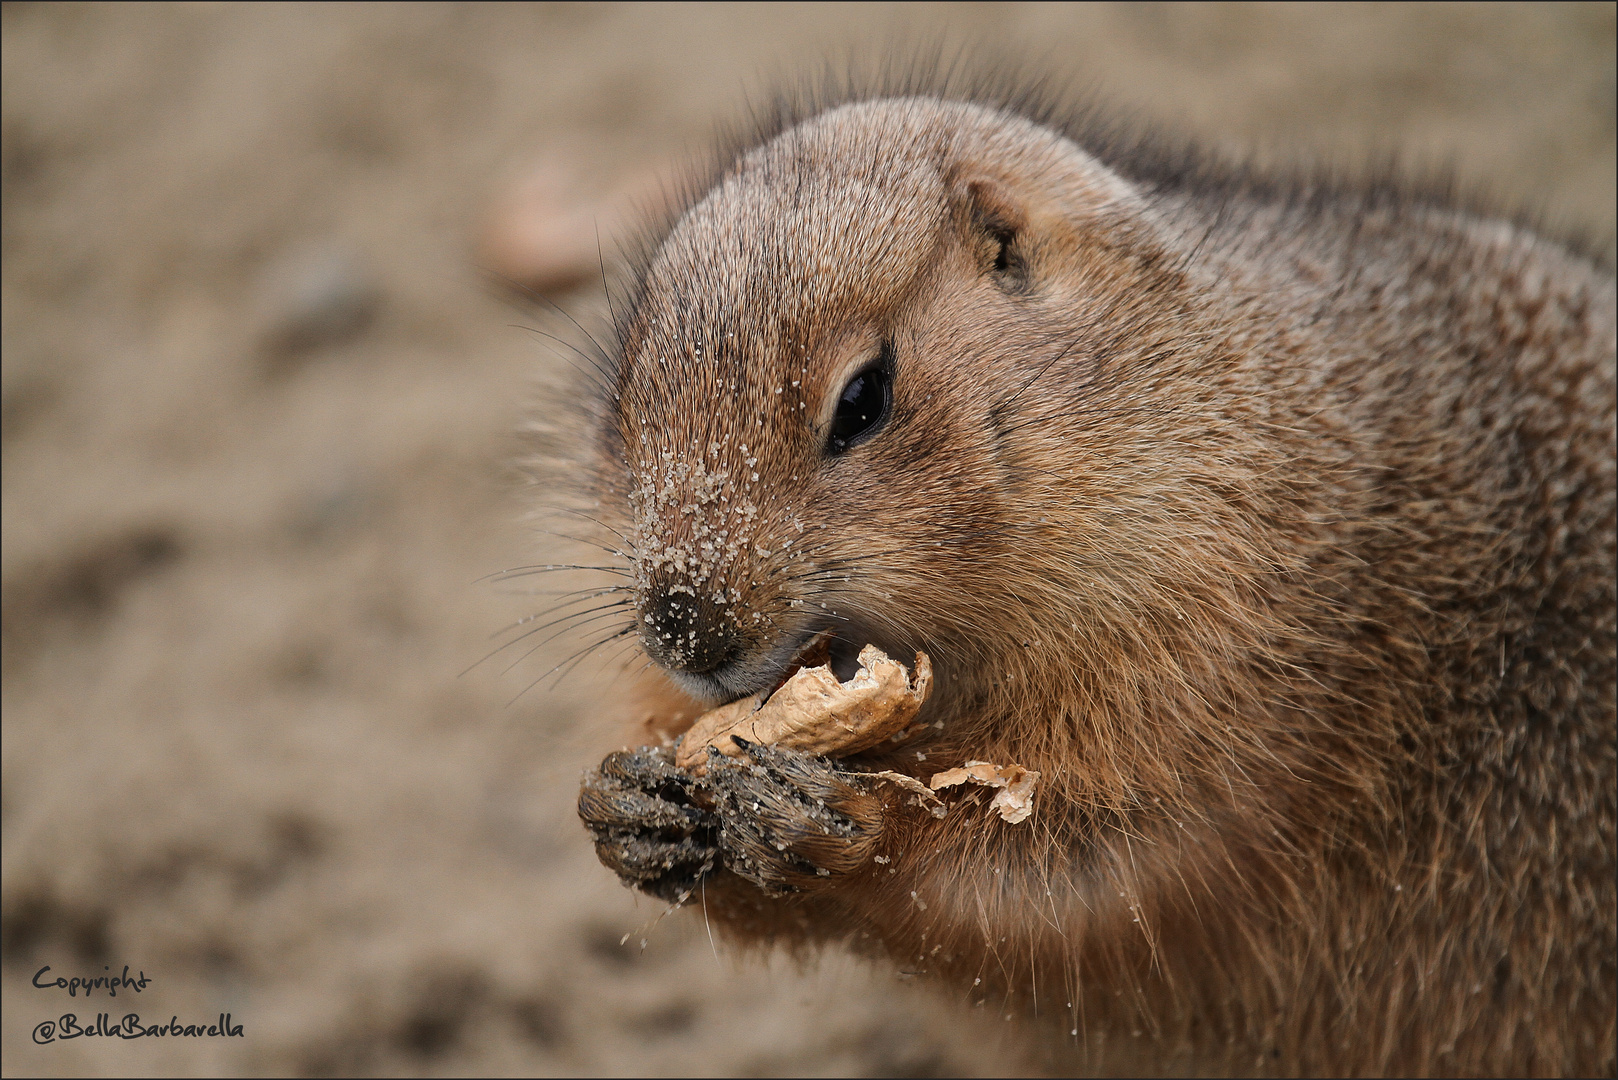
{"x":1273,"y":524}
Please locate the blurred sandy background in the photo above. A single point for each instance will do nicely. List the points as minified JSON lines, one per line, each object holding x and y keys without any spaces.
{"x":259,"y":415}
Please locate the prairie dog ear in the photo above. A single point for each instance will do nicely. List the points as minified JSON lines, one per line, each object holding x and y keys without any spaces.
{"x":997,"y":216}
{"x":1060,"y":182}
{"x":1025,"y":192}
{"x":993,"y":208}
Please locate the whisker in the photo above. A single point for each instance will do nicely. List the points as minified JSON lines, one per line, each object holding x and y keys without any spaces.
{"x":628,"y":648}
{"x":567,"y":510}
{"x":598,"y":376}
{"x":602,"y":262}
{"x":606,"y":614}
{"x":604,"y":356}
{"x":573,"y":592}
{"x":564,"y":619}
{"x":551,"y":568}
{"x":581,"y":658}
{"x":577,"y":599}
{"x":589,"y":648}
{"x":581,"y":540}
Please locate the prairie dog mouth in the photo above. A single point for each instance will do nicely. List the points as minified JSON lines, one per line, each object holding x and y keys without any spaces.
{"x":730,"y":684}
{"x":843,"y":655}
{"x":826,"y":647}
{"x":817,"y":652}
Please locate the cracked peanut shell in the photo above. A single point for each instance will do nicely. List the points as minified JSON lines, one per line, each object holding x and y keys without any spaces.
{"x":815,"y":713}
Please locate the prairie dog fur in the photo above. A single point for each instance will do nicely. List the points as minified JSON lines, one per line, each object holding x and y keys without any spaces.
{"x":1271,"y":522}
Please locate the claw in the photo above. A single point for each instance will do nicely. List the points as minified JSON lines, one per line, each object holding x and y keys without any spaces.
{"x":648,"y":827}
{"x":785,"y":820}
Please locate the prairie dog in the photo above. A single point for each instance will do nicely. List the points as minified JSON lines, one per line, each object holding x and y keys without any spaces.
{"x":1271,"y":522}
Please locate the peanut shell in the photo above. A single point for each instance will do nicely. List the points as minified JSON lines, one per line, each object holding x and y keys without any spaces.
{"x":815,"y":713}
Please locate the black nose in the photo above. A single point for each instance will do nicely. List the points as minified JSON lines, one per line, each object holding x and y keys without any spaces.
{"x":685,"y":633}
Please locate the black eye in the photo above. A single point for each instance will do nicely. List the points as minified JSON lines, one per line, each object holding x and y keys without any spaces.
{"x":864,"y":405}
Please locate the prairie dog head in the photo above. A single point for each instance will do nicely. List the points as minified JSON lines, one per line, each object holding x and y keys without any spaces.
{"x":826,"y":414}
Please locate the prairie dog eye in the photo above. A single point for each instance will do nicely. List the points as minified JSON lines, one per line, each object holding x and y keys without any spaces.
{"x":863,"y":406}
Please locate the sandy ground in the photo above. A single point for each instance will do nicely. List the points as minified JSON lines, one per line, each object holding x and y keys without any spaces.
{"x":259,"y":417}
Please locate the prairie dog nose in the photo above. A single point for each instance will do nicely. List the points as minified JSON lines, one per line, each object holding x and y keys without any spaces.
{"x":685,"y":633}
